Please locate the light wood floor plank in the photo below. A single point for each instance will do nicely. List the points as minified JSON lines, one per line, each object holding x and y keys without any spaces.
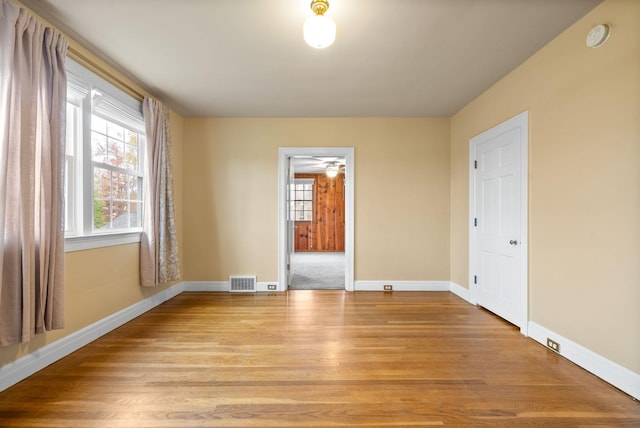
{"x":315,"y":359}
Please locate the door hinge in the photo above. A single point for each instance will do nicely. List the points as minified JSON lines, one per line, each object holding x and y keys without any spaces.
{"x":288,"y":266}
{"x":475,"y":221}
{"x":475,"y":279}
{"x":475,"y":164}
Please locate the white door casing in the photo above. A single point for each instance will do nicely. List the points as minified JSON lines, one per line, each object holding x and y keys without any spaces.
{"x":498,"y":244}
{"x":284,"y":154}
{"x":290,"y":221}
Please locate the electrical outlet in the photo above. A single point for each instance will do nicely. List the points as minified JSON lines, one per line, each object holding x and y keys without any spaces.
{"x":271,"y":287}
{"x":388,"y":287}
{"x":553,"y":345}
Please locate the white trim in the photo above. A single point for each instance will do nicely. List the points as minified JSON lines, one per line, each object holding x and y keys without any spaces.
{"x":311,"y":181}
{"x":24,"y":367}
{"x":283,"y":154}
{"x":520,"y":121}
{"x":403,"y":285}
{"x":87,"y":242}
{"x":212,"y":286}
{"x":607,"y":370}
{"x":224,"y":286}
{"x":264,"y":287}
{"x":86,"y":76}
{"x":460,"y":291}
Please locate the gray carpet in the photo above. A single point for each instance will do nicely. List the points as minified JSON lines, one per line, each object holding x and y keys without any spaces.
{"x":317,"y":271}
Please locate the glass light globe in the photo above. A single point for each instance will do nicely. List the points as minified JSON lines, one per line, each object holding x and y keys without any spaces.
{"x":332,"y":171}
{"x":319,"y":31}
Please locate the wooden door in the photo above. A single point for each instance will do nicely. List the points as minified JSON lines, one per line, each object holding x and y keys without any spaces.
{"x":325,"y":232}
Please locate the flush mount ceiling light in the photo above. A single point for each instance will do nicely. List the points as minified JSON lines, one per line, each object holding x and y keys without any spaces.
{"x":319,"y":30}
{"x":332,"y":169}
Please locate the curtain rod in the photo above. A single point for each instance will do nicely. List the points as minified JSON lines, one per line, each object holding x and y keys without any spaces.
{"x":76,"y":55}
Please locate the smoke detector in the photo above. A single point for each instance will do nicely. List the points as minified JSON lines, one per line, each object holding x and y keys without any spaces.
{"x":598,"y":35}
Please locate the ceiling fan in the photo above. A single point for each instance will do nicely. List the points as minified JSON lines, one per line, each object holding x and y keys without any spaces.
{"x":333,"y":168}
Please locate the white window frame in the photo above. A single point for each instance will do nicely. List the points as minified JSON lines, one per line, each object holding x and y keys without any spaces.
{"x":81,"y":83}
{"x":293,"y":210}
{"x":73,"y":210}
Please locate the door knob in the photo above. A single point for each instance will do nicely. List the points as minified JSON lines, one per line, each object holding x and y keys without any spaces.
{"x":513,"y":242}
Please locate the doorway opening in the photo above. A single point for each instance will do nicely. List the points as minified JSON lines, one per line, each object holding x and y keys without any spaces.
{"x":316,"y":218}
{"x":316,"y":208}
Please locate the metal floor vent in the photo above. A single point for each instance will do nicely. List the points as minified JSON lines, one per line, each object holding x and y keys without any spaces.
{"x":242,"y":284}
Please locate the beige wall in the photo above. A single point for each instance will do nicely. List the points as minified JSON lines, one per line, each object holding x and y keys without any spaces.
{"x":401,"y":194}
{"x":584,"y":124}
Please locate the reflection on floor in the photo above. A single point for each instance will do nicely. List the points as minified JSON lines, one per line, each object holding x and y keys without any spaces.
{"x":317,"y":271}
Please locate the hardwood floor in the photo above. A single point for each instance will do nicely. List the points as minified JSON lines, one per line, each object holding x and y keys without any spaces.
{"x":315,"y":358}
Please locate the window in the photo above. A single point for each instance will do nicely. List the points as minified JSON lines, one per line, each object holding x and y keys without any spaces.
{"x":301,"y":201}
{"x":104,"y":161}
{"x":117,"y":180}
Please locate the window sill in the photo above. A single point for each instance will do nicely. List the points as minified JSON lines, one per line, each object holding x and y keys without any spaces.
{"x":80,"y":243}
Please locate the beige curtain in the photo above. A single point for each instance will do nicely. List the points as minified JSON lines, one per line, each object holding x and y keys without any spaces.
{"x":33,"y":88}
{"x":158,"y":247}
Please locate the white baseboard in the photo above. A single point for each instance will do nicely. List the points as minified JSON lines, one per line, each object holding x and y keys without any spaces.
{"x":402,"y":285}
{"x":461,"y":292}
{"x":223,"y":286}
{"x":206,"y":286}
{"x":264,"y":287}
{"x":24,"y":367}
{"x":618,"y":376}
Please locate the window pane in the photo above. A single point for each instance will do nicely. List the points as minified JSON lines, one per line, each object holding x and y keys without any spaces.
{"x":119,"y":186}
{"x":98,"y":124}
{"x":120,"y":215}
{"x":131,"y":157}
{"x":115,"y":155}
{"x":101,"y":217}
{"x":136,"y":214}
{"x":116,"y":200}
{"x":98,"y":147}
{"x":101,"y":183}
{"x":307,"y":205}
{"x":133,"y":188}
{"x":115,"y":131}
{"x":131,"y":137}
{"x":308,"y":195}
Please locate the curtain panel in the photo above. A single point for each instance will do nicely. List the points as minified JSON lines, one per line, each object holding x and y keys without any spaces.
{"x":159,"y":261}
{"x":33,"y":89}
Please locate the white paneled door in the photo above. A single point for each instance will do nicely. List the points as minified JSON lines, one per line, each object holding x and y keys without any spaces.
{"x":498,"y":252}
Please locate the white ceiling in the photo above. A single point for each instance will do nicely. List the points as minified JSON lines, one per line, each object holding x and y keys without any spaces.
{"x":314,"y":164}
{"x":247,"y":58}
